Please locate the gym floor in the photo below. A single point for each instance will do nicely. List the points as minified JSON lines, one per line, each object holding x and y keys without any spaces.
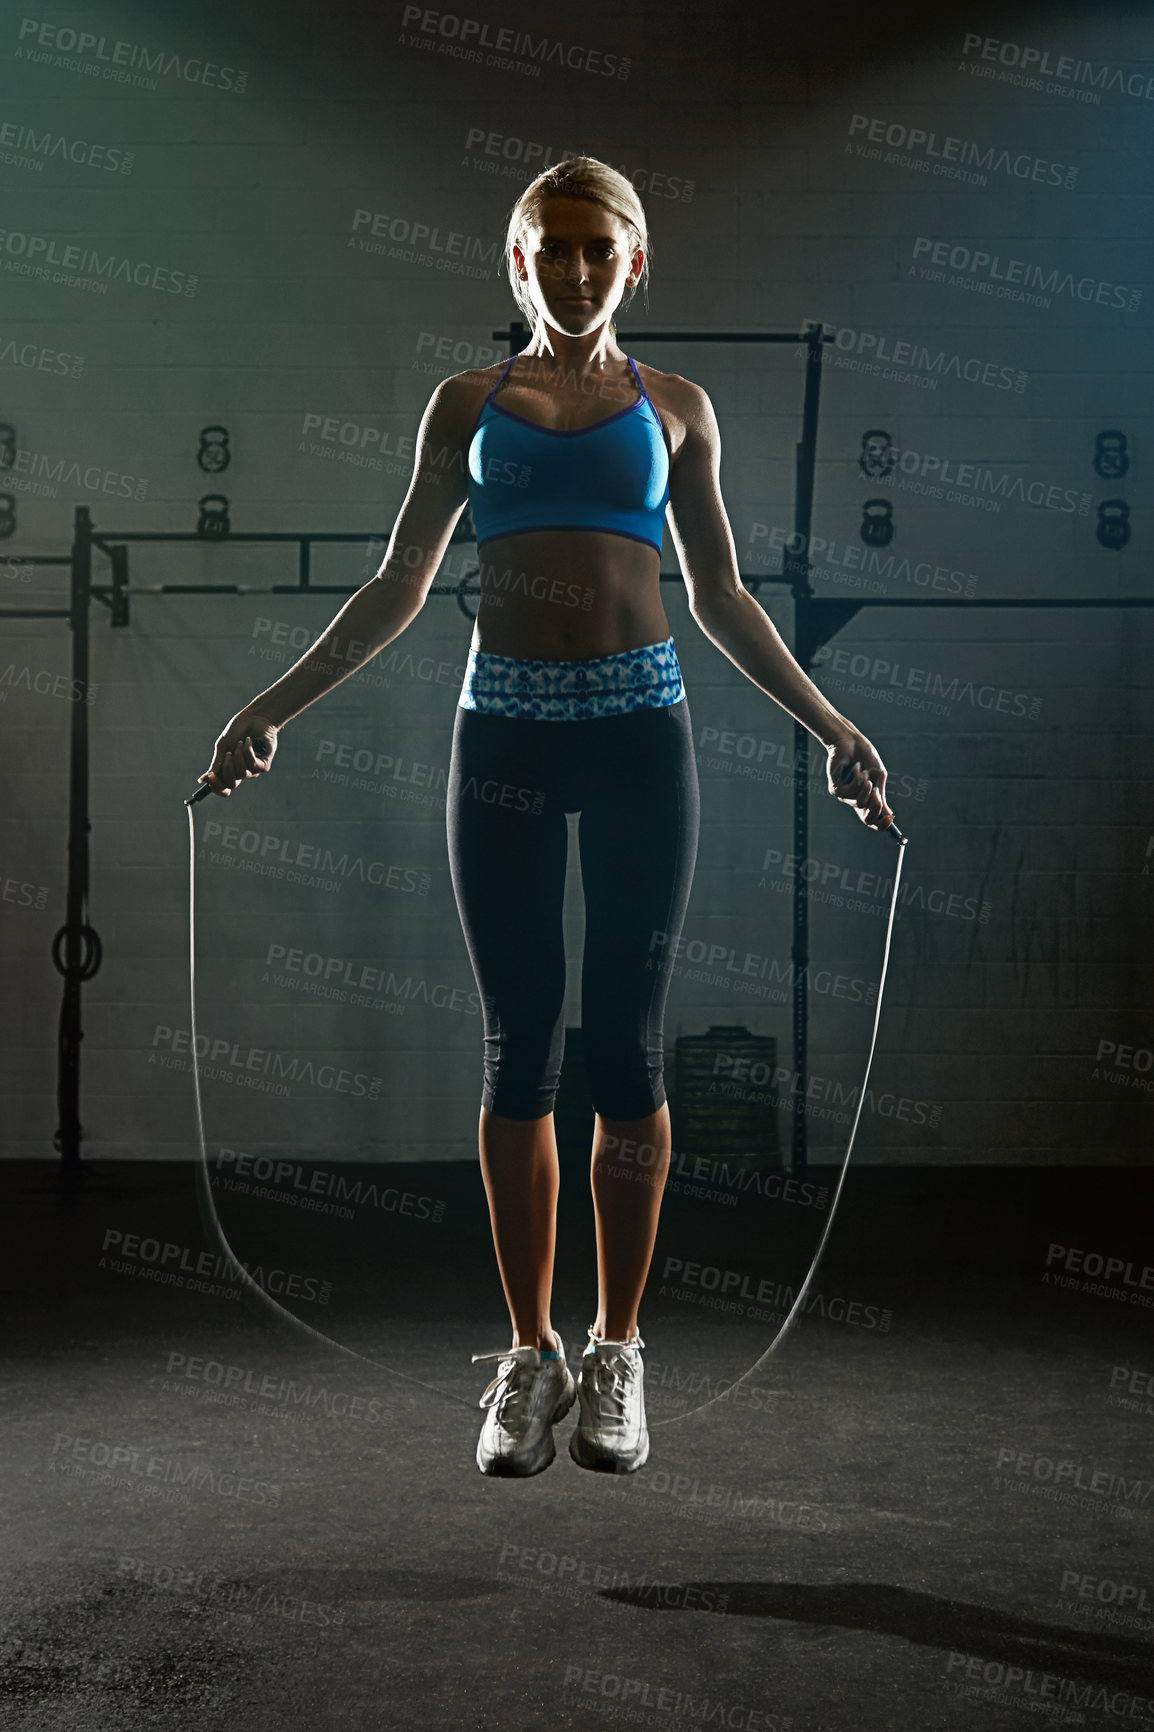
{"x":930,"y":1507}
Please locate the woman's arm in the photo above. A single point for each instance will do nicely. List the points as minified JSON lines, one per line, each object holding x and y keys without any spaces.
{"x":732,"y":619}
{"x":380,"y":610}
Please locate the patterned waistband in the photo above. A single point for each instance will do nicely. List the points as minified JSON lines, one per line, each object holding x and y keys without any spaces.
{"x":648,"y":678}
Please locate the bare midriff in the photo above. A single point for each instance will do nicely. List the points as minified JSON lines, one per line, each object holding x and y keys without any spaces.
{"x":568,"y":594}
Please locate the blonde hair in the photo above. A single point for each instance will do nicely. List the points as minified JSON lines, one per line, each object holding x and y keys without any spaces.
{"x":577,"y":177}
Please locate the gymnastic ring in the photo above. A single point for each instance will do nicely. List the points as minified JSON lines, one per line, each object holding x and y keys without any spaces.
{"x":93,"y":951}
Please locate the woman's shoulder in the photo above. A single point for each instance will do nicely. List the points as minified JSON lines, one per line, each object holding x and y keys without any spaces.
{"x":669,"y":390}
{"x":680,"y":403}
{"x":461,"y":396}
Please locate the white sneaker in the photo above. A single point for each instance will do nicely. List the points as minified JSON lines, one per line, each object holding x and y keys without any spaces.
{"x":611,"y":1434}
{"x":525,"y":1400}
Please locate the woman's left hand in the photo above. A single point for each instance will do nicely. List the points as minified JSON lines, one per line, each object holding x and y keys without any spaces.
{"x":856,"y":774}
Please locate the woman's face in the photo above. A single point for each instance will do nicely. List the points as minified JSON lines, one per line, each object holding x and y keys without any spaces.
{"x":575,"y":261}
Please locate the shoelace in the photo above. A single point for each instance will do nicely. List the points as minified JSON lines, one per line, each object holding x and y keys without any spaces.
{"x":621,"y":1373}
{"x":507,"y":1388}
{"x":611,"y":1399}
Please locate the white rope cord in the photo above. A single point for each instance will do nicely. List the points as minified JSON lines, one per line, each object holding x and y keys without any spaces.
{"x":676,"y":1418}
{"x":209,"y":1217}
{"x":212,"y":1223}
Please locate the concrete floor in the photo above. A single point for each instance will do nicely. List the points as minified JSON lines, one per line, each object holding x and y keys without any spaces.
{"x":937,"y":1518}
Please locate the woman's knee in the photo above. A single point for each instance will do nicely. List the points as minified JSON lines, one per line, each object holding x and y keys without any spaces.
{"x":509,"y":1102}
{"x":523,"y":1065}
{"x":639,"y":1100}
{"x":625,"y":1079}
{"x":520,"y":1091}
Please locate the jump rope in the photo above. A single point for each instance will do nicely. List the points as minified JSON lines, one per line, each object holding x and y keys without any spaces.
{"x":211,"y":1222}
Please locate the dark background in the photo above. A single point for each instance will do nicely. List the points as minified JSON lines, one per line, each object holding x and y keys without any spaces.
{"x":1016,"y":1039}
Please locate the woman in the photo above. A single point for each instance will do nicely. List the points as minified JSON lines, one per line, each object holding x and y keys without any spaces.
{"x":571,"y":458}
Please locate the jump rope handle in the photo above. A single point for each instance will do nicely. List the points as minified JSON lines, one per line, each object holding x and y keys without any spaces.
{"x":891,"y":828}
{"x":259,"y":746}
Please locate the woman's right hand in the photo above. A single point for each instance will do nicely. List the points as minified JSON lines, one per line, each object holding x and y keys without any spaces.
{"x":856,"y":775}
{"x":246,"y":747}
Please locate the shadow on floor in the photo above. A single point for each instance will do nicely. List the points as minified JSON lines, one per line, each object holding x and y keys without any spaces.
{"x":1097,"y":1654}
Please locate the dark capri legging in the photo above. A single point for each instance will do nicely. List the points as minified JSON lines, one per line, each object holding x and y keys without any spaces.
{"x":633,"y":778}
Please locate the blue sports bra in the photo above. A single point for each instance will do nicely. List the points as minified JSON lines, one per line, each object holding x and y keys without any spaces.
{"x":612,"y":476}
